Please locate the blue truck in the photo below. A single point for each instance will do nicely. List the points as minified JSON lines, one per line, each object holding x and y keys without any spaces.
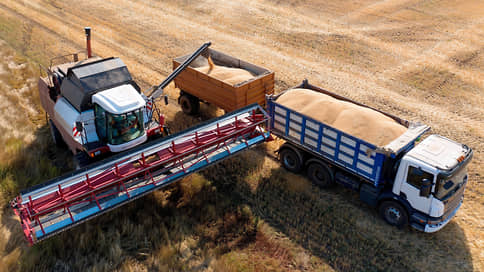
{"x":417,"y":184}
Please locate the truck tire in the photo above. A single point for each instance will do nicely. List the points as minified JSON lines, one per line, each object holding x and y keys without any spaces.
{"x":320,"y":174}
{"x":394,"y":213}
{"x":291,"y":160}
{"x":56,"y":136}
{"x":190,"y":104}
{"x":81,"y":160}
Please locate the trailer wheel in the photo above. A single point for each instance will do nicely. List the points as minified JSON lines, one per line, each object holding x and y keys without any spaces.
{"x":320,"y":174}
{"x":394,"y":214}
{"x":56,"y":136}
{"x":189,"y":104}
{"x":291,"y":160}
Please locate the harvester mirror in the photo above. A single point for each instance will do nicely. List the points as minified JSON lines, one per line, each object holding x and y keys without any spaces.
{"x":166,"y":100}
{"x":79,"y":126}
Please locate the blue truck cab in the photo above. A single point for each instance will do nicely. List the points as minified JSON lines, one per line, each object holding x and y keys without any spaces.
{"x":418,"y":184}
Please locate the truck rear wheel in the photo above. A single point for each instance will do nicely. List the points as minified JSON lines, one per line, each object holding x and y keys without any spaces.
{"x":56,"y":136}
{"x":189,"y":104}
{"x":394,"y":214}
{"x":291,"y":160}
{"x":320,"y":174}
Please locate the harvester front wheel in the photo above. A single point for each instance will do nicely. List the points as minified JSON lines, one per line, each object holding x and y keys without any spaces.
{"x":81,"y":160}
{"x":56,"y":136}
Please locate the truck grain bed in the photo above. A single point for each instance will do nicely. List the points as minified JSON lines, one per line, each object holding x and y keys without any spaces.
{"x":356,"y":155}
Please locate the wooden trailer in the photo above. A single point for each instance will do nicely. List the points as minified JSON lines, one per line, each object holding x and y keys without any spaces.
{"x":196,"y":86}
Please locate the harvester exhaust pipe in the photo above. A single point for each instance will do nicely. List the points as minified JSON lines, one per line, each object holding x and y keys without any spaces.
{"x":88,"y":41}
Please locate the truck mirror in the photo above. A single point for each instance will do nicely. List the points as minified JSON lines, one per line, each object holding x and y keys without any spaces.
{"x":425,"y":188}
{"x":166,"y":100}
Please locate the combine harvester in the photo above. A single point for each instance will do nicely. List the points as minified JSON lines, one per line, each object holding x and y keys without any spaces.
{"x":97,"y":98}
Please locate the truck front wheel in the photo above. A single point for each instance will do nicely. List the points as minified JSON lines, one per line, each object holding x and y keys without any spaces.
{"x":189,"y":104}
{"x":394,"y":214}
{"x":320,"y":174}
{"x":291,"y":160}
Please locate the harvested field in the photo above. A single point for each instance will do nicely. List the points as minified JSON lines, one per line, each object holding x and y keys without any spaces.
{"x":419,"y":60}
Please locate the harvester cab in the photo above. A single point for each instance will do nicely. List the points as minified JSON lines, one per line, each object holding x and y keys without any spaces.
{"x":96,"y":108}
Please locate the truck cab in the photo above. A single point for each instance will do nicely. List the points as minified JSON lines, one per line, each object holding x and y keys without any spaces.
{"x":430,"y":181}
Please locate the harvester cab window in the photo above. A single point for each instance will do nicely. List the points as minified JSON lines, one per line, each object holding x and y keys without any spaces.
{"x":122,"y":128}
{"x":100,"y":115}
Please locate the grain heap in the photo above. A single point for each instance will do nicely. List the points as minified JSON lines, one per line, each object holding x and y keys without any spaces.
{"x":226,"y":74}
{"x":364,"y":123}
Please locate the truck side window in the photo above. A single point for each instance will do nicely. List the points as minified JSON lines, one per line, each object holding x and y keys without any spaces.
{"x":415,"y":176}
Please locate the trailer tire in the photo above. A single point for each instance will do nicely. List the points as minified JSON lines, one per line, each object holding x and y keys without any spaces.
{"x":320,"y":174}
{"x":291,"y":160}
{"x":394,"y":213}
{"x":56,"y":136}
{"x":190,"y":104}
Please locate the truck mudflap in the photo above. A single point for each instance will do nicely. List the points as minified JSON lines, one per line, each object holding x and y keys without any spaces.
{"x":67,"y":201}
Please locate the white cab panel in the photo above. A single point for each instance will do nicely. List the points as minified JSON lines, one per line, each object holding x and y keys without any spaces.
{"x":66,"y":115}
{"x":119,"y":99}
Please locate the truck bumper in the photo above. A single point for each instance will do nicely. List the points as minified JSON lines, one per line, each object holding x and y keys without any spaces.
{"x":432,"y":224}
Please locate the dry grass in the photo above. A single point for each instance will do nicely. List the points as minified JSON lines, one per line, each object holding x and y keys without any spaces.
{"x":421,"y":60}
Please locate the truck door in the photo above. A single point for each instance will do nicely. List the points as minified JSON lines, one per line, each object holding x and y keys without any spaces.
{"x":411,"y":188}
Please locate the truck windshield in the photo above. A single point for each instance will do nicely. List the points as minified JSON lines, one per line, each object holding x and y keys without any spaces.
{"x":122,"y":128}
{"x":448,"y":185}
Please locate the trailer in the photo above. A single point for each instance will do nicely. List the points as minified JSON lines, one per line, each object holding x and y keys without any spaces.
{"x":64,"y":202}
{"x":418,"y":184}
{"x":196,"y":86}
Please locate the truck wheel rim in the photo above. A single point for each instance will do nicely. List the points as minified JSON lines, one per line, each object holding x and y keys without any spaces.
{"x":289,"y":161}
{"x":393,"y":215}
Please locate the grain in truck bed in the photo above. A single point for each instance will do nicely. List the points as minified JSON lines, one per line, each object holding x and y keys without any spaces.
{"x":214,"y":91}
